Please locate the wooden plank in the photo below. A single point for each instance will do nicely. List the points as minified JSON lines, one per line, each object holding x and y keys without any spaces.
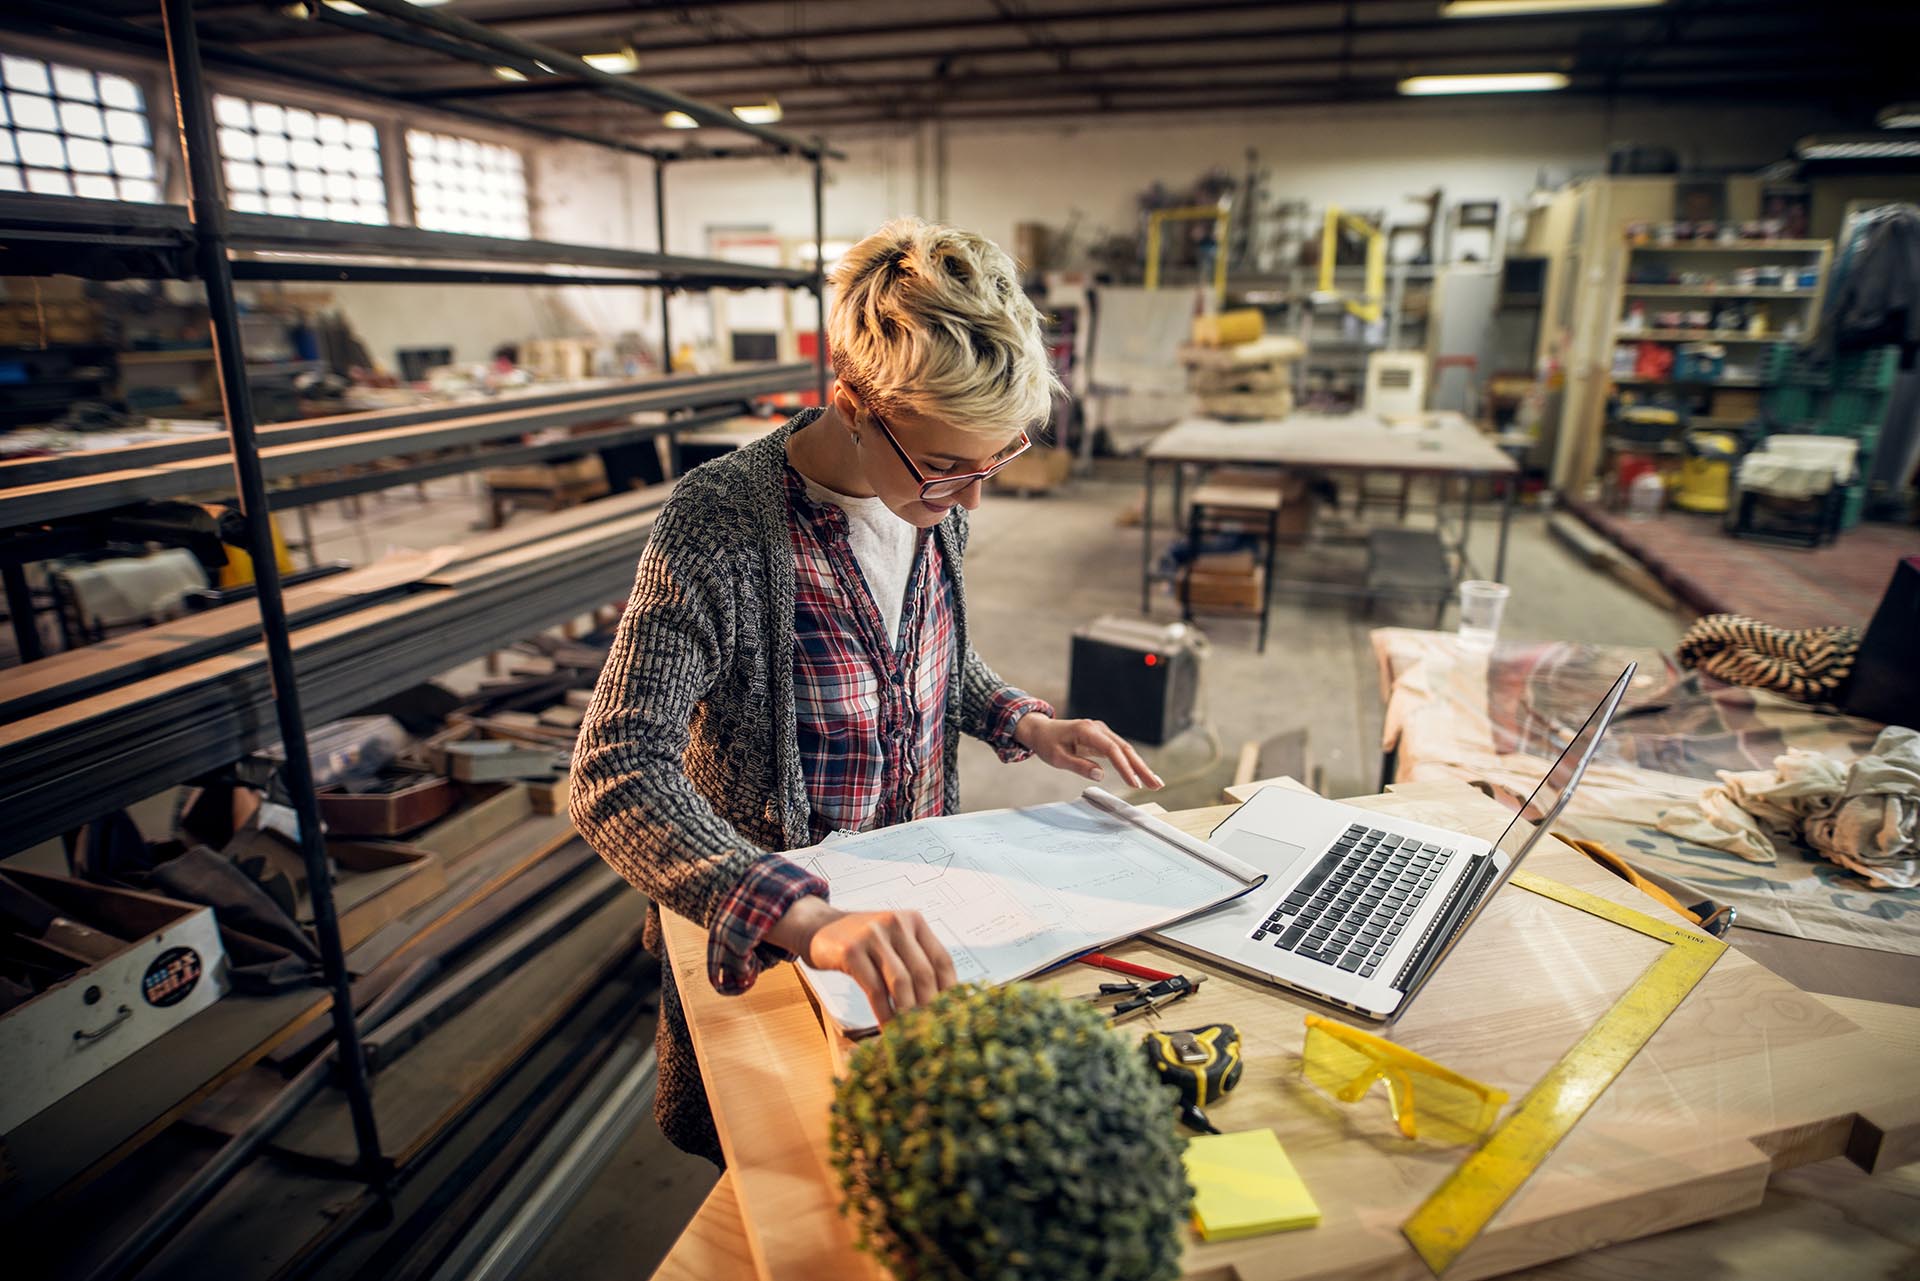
{"x":714,"y":1246}
{"x":1749,"y":1076}
{"x":459,"y":834}
{"x":417,"y":1096}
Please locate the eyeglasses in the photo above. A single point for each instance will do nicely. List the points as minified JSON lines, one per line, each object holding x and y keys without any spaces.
{"x":943,"y":487}
{"x":1428,"y":1101}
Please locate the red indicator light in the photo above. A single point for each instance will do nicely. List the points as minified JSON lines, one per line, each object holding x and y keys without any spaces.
{"x":1152,"y":659}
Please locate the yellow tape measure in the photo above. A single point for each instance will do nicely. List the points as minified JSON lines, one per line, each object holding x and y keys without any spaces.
{"x":1449,"y":1220}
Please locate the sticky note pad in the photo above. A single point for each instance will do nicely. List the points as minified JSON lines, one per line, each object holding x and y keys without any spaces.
{"x":1244,"y":1185}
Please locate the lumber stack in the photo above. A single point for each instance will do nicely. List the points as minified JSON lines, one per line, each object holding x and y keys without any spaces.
{"x":1244,"y":380}
{"x":155,"y":721}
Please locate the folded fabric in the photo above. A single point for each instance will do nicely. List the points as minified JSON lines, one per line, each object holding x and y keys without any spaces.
{"x":1874,"y":829}
{"x":1865,"y":817}
{"x":1812,"y":664}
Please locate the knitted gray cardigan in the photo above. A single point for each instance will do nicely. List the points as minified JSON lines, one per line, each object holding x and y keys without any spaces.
{"x":687,"y":767}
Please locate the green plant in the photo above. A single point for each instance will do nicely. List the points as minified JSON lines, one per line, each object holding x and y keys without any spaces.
{"x":1003,"y":1133}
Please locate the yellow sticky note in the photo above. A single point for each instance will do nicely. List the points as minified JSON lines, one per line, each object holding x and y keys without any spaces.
{"x":1244,"y":1185}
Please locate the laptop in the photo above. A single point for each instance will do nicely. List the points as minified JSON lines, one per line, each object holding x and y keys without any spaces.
{"x":1359,"y":909}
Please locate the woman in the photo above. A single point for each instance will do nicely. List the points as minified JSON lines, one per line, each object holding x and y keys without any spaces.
{"x":794,"y":659}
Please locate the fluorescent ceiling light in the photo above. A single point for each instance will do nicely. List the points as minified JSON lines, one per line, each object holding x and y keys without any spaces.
{"x":510,"y":73}
{"x":1502,"y":8}
{"x":752,"y":113}
{"x":1503,"y":82}
{"x":1856,"y":146}
{"x":1901,"y":115}
{"x":759,"y":113}
{"x":618,"y":63}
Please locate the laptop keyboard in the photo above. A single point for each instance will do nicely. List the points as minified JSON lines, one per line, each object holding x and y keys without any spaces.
{"x":1351,"y":907}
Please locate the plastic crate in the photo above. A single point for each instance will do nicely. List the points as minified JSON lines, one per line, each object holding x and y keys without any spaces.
{"x":1853,"y":506}
{"x":1870,"y":370}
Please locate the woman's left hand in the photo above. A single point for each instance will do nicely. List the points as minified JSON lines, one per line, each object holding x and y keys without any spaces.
{"x":1076,"y":745}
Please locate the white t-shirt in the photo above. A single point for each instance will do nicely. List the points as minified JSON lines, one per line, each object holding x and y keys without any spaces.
{"x":883,"y":547}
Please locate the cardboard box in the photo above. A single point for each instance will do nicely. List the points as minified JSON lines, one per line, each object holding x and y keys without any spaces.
{"x":1214,"y":584}
{"x":172,"y":968}
{"x":413,"y":801}
{"x":1035,"y":472}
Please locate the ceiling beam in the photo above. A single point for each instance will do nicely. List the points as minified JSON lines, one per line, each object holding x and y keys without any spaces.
{"x":1409,"y":61}
{"x":1106,"y":15}
{"x":1730,"y":35}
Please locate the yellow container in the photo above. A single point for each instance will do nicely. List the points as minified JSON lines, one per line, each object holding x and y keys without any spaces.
{"x":1228,"y":328}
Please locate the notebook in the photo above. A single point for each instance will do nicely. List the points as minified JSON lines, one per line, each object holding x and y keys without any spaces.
{"x":1244,"y":1185}
{"x":1014,"y":892}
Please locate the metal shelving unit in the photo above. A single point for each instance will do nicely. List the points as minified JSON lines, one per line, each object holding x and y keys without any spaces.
{"x":209,"y":243}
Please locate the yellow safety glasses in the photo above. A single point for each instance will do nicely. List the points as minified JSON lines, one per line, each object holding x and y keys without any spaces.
{"x":1428,"y":1101}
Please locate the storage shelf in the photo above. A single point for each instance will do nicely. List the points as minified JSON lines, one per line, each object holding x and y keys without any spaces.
{"x":1701,"y":335}
{"x":301,"y":449}
{"x":1634,"y":380}
{"x":1734,"y":247}
{"x":1710,"y":291}
{"x":109,"y":240}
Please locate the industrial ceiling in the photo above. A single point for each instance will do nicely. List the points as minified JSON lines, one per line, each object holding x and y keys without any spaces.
{"x":838,"y":65}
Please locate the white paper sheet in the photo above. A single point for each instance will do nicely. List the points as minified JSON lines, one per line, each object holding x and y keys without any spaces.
{"x":1012,"y":892}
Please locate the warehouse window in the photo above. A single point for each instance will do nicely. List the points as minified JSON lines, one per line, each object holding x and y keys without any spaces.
{"x":66,"y":131}
{"x":300,"y":163}
{"x":462,"y":185}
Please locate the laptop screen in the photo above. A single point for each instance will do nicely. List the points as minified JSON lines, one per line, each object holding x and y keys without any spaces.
{"x":1551,"y":792}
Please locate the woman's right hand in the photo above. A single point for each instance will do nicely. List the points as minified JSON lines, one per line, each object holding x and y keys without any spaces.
{"x":895,"y":957}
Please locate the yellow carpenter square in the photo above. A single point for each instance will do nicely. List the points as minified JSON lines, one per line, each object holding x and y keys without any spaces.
{"x":1449,"y":1220}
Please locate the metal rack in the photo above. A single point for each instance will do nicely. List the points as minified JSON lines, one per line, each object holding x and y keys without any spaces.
{"x":207,"y":242}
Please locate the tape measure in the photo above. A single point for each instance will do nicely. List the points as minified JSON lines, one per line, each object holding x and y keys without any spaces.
{"x":1203,"y":1063}
{"x":1450,"y":1219}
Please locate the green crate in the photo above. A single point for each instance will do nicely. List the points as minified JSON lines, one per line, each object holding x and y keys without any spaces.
{"x":1871,"y":370}
{"x":1852,"y":506}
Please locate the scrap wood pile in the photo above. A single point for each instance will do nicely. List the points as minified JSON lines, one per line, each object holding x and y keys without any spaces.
{"x":1237,"y":370}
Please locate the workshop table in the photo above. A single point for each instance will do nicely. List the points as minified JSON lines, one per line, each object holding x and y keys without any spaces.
{"x":1748,"y":1077}
{"x":1441,"y":444}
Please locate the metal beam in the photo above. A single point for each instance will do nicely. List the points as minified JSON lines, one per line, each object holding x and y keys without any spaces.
{"x":1149,"y":104}
{"x":49,"y":18}
{"x":1839,"y":53}
{"x":195,"y":109}
{"x":610,"y":86}
{"x":1105,"y":16}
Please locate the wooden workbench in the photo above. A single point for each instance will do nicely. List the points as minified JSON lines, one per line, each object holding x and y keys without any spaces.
{"x":1434,"y":444}
{"x":1749,"y":1077}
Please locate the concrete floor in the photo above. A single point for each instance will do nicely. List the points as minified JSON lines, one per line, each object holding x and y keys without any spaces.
{"x":1037,"y":569}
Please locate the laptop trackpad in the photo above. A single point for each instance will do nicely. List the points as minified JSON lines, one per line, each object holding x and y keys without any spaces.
{"x":1275,"y":858}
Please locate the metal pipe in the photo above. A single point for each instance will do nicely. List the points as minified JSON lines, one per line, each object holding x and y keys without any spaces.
{"x":820,"y":273}
{"x":660,"y":246}
{"x":26,"y":631}
{"x":400,"y":34}
{"x":553,"y":1177}
{"x":610,"y":86}
{"x":193,"y":108}
{"x":153,"y":1234}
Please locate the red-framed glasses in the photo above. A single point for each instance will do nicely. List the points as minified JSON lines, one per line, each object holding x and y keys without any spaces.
{"x":940,"y":488}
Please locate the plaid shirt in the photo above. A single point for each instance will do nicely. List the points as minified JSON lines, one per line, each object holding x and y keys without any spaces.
{"x":871,"y":719}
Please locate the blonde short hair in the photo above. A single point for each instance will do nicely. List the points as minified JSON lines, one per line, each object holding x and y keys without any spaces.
{"x":931,"y":320}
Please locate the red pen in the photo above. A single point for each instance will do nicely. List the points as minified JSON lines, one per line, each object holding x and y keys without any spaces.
{"x":1105,"y":962}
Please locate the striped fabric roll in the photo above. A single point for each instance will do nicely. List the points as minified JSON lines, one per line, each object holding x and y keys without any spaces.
{"x":1811,"y":665}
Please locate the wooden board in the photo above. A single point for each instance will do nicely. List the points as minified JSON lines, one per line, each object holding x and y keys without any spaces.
{"x":417,"y":1096}
{"x":714,"y":1246}
{"x":1749,"y":1076}
{"x":1352,"y":441}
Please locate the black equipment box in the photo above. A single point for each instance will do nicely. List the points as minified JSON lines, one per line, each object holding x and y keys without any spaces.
{"x":1141,"y":678}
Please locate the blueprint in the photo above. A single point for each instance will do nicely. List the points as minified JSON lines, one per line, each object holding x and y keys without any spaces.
{"x":1013,"y":892}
